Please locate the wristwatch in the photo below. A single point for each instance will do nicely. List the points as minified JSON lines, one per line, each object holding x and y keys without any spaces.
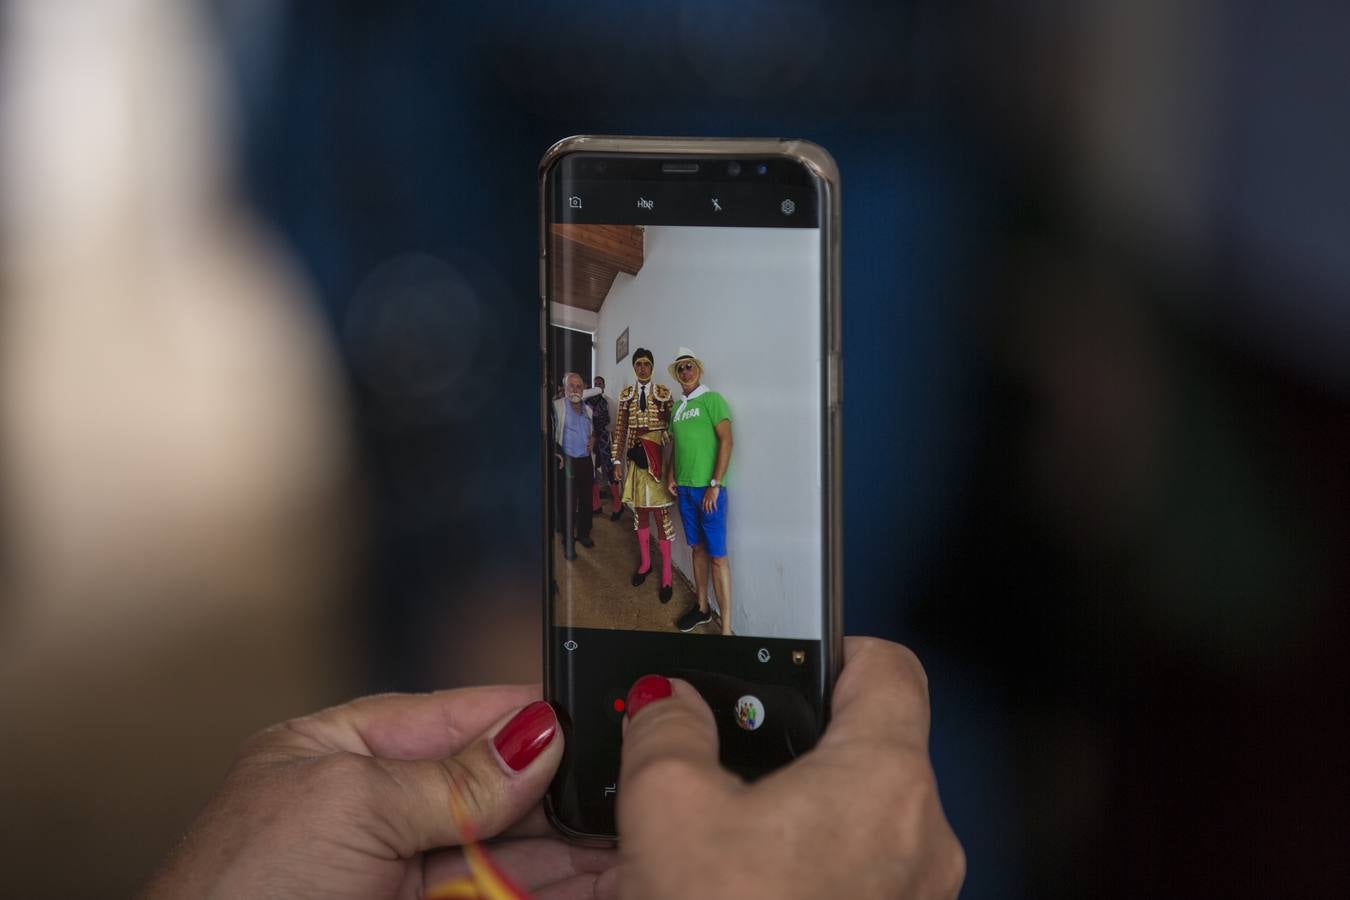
{"x":713,"y":483}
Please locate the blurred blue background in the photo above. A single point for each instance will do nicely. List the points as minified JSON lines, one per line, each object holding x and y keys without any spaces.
{"x":1097,"y":373}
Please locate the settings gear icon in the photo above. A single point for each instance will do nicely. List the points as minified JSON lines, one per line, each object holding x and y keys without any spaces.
{"x":788,"y":207}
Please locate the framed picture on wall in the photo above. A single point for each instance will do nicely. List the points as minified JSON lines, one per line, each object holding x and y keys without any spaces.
{"x":621,"y":347}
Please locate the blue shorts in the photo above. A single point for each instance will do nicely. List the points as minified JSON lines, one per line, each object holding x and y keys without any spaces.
{"x":708,"y":529}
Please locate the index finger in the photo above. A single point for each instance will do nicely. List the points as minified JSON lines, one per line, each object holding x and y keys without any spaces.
{"x":881,"y":695}
{"x":405,"y":726}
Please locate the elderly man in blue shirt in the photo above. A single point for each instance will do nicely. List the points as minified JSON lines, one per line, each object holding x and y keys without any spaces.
{"x":574,"y":440}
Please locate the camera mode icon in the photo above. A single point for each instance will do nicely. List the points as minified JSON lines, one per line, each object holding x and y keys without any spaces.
{"x":749,"y":712}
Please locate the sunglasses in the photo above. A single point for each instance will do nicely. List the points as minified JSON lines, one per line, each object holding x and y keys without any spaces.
{"x":685,"y":367}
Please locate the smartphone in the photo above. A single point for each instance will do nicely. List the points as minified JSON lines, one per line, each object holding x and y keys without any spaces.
{"x":690,"y":414}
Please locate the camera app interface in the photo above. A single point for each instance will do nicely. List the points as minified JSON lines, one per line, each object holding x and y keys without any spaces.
{"x":686,"y":427}
{"x":685,"y":440}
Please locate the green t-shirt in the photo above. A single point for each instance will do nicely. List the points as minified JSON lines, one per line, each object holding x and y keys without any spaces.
{"x":694,"y":429}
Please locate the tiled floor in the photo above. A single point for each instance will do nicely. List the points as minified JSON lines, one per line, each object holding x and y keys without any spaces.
{"x":601,"y":595}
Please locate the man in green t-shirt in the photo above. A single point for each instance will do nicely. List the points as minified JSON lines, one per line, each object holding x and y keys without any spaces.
{"x":700,"y":431}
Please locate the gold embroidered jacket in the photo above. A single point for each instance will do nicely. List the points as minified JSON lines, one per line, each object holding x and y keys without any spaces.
{"x":630,"y":422}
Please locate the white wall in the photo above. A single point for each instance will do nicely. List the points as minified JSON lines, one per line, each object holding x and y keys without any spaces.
{"x":747,"y":301}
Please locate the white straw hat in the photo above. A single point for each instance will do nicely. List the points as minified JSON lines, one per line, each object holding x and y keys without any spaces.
{"x":684,"y":353}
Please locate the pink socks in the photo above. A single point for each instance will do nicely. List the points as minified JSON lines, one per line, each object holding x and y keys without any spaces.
{"x":665,"y":562}
{"x":645,"y":554}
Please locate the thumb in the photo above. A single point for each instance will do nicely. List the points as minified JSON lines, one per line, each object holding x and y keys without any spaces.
{"x":669,"y":750}
{"x":492,"y":784}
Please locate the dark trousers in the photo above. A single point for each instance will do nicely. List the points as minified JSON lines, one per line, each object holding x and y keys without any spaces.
{"x":574,"y":498}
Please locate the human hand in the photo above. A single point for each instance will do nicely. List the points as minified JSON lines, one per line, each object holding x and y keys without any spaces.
{"x":558,"y":457}
{"x":671,"y":486}
{"x":355,"y":800}
{"x":857,"y":816}
{"x":618,"y":471}
{"x":710,"y":496}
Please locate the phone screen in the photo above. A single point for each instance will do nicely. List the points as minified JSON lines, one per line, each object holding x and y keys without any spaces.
{"x":686,"y":435}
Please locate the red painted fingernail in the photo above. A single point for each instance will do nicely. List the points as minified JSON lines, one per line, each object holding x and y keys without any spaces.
{"x":645,"y":690}
{"x":526,"y":735}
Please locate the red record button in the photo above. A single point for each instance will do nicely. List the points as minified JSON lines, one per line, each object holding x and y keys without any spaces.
{"x":616,"y":702}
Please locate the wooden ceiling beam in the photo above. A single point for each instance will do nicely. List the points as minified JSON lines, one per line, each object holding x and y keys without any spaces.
{"x":584,"y":289}
{"x":617,"y":245}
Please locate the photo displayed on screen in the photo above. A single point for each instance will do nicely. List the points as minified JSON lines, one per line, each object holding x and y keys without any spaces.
{"x":686,"y":429}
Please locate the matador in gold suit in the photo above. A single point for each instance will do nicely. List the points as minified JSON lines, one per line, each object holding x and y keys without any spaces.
{"x":638,"y":450}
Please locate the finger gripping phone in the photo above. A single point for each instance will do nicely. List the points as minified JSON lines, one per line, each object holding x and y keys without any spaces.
{"x":690,"y":415}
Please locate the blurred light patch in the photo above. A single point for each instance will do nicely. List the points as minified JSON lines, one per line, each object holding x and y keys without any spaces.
{"x":174,"y":464}
{"x":413,"y":332}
